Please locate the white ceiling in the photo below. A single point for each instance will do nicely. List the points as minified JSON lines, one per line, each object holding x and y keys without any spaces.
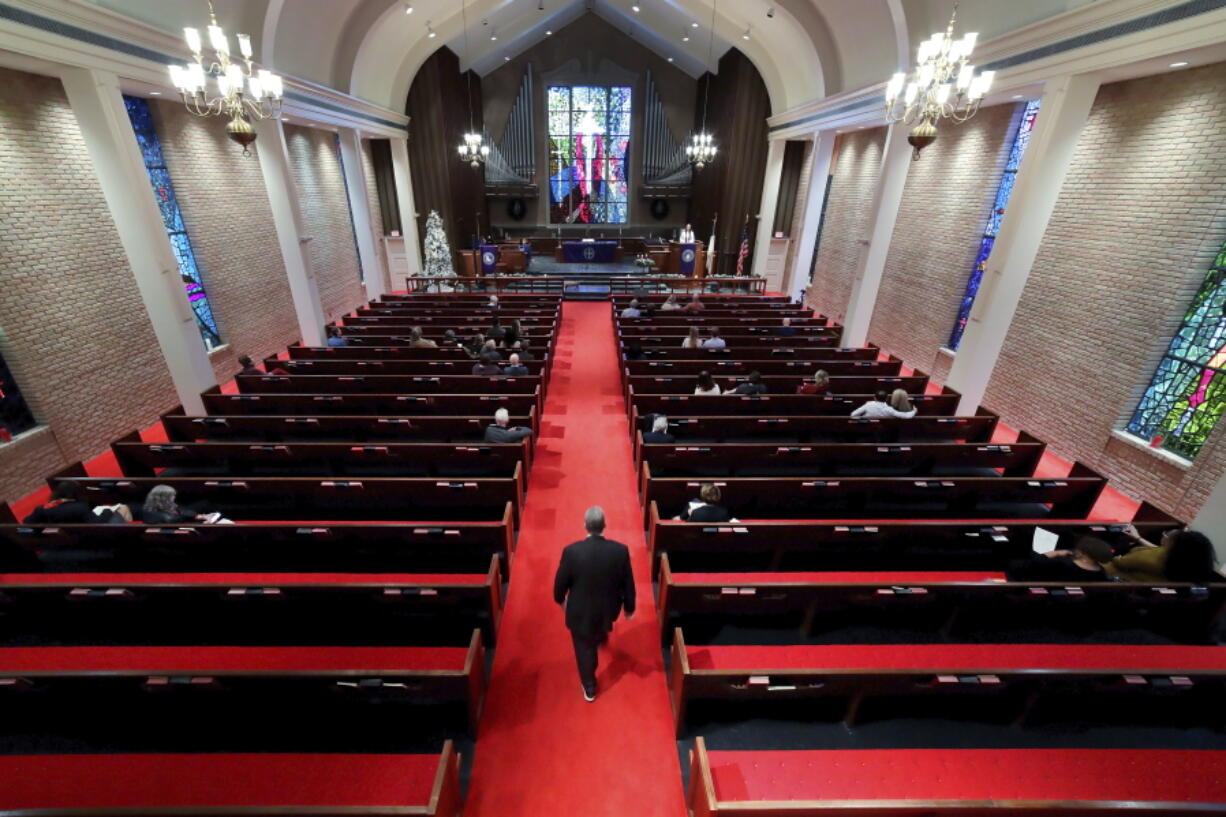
{"x":805,"y":50}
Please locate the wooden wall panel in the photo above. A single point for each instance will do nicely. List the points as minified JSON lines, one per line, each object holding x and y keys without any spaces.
{"x":732,"y":185}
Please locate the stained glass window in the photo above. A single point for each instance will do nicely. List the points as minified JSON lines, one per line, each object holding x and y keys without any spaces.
{"x":589,"y":137}
{"x":15,"y":416}
{"x":172,"y":219}
{"x":1187,"y":395}
{"x":1020,"y":140}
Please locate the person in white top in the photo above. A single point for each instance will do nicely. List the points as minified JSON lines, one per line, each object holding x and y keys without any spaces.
{"x":691,"y":341}
{"x":670,"y":303}
{"x":715,"y":341}
{"x":880,"y":407}
{"x":632,"y":311}
{"x":687,"y":235}
{"x":706,"y":384}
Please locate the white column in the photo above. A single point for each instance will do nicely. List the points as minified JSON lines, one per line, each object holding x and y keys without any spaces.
{"x":359,"y":208}
{"x":404,"y":199}
{"x":97,"y":103}
{"x":819,"y":172}
{"x":875,"y":244}
{"x":1211,"y":520}
{"x":1065,"y":107}
{"x":287,"y":219}
{"x":766,"y":210}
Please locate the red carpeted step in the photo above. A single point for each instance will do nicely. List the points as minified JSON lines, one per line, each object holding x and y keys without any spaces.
{"x":918,"y":577}
{"x":155,"y":781}
{"x":933,"y":657}
{"x":978,"y":774}
{"x":265,"y":579}
{"x":165,"y":660}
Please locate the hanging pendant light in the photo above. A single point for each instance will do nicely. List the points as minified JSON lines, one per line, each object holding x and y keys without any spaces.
{"x":472,"y":149}
{"x":701,"y":149}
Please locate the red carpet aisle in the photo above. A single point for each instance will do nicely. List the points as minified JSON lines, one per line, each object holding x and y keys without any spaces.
{"x":542,"y":749}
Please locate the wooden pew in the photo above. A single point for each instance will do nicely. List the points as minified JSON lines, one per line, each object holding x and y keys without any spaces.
{"x":729,"y":368}
{"x":933,"y":601}
{"x":451,"y":367}
{"x":944,"y":782}
{"x":256,"y":609}
{"x":719,"y":318}
{"x":313,"y":547}
{"x":783,"y":385}
{"x":256,"y":784}
{"x":939,"y":405}
{"x":759,"y":346}
{"x":833,"y":459}
{"x":387,"y":405}
{"x":372,"y":352}
{"x":141,"y":459}
{"x":289,"y":498}
{"x":870,"y":544}
{"x":854,"y":673}
{"x":355,"y":428}
{"x":1070,"y":497}
{"x":803,"y":428}
{"x":304,"y":677}
{"x":386,"y":384}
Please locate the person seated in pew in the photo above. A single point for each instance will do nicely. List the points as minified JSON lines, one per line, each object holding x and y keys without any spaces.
{"x":899,"y":401}
{"x":659,"y":432}
{"x":752,"y":385}
{"x":475,"y":346}
{"x":417,"y":341}
{"x":632,"y":311}
{"x":500,"y":433}
{"x":160,"y":508}
{"x":634,"y":351}
{"x":521,"y":348}
{"x":706,"y":384}
{"x":706,"y":508}
{"x":515,"y":368}
{"x":820,"y":384}
{"x":787,"y":330}
{"x":1181,"y":556}
{"x":66,"y":507}
{"x":879,"y":407}
{"x":335,"y":338}
{"x":670,"y":303}
{"x":496,"y":332}
{"x":695,"y":305}
{"x":449,"y":339}
{"x":692,"y":340}
{"x":248,"y":365}
{"x":487,"y":365}
{"x":512,"y":333}
{"x":715,"y":341}
{"x":1084,"y":563}
{"x":492,"y":303}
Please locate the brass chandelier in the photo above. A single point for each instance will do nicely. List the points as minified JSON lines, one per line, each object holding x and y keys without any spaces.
{"x":943,"y":85}
{"x":243,"y":91}
{"x":701,"y":149}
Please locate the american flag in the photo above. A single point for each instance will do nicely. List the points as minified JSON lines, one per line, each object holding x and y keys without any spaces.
{"x":743,"y":253}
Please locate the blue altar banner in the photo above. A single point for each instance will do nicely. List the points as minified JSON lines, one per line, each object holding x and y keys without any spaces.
{"x":489,"y":259}
{"x":592,"y":252}
{"x":688,"y":254}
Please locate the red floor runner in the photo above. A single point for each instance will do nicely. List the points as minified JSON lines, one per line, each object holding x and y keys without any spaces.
{"x":542,"y":749}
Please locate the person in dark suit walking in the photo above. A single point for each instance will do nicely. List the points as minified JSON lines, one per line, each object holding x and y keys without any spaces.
{"x":594,"y":583}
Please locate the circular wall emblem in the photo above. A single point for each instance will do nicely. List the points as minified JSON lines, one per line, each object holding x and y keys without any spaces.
{"x":488,"y":258}
{"x":589,"y":253}
{"x":687,"y":256}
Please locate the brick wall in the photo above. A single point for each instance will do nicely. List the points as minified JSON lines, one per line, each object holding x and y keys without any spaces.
{"x":856,"y":164}
{"x":376,"y":213}
{"x":945,"y":204}
{"x":72,"y":325}
{"x":316,"y":163}
{"x":225,"y":206}
{"x":1138,"y":222}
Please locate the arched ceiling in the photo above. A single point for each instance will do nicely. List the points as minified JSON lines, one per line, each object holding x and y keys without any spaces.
{"x":804,"y":49}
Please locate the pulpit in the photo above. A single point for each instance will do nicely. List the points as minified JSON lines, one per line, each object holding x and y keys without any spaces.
{"x":686,"y":259}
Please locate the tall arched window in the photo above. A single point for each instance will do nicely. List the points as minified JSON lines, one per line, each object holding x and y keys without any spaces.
{"x":1187,"y":395}
{"x":589,"y":136}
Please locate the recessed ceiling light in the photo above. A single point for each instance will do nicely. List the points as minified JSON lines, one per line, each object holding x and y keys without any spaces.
{"x":693,"y":25}
{"x":548,"y":33}
{"x":1178,"y":64}
{"x":408,"y":8}
{"x":155,"y":93}
{"x":685,"y":38}
{"x":506,"y":59}
{"x":430,"y":32}
{"x":1017,"y":96}
{"x":745,"y":36}
{"x":635,"y":8}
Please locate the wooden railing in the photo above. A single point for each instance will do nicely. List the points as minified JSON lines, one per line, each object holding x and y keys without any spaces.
{"x":619,"y":284}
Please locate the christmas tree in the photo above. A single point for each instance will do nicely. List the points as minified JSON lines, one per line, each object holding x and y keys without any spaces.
{"x":438,"y":254}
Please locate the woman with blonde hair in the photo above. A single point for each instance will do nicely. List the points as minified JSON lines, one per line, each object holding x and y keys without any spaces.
{"x":670,"y":303}
{"x":692,"y":340}
{"x":900,"y":402}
